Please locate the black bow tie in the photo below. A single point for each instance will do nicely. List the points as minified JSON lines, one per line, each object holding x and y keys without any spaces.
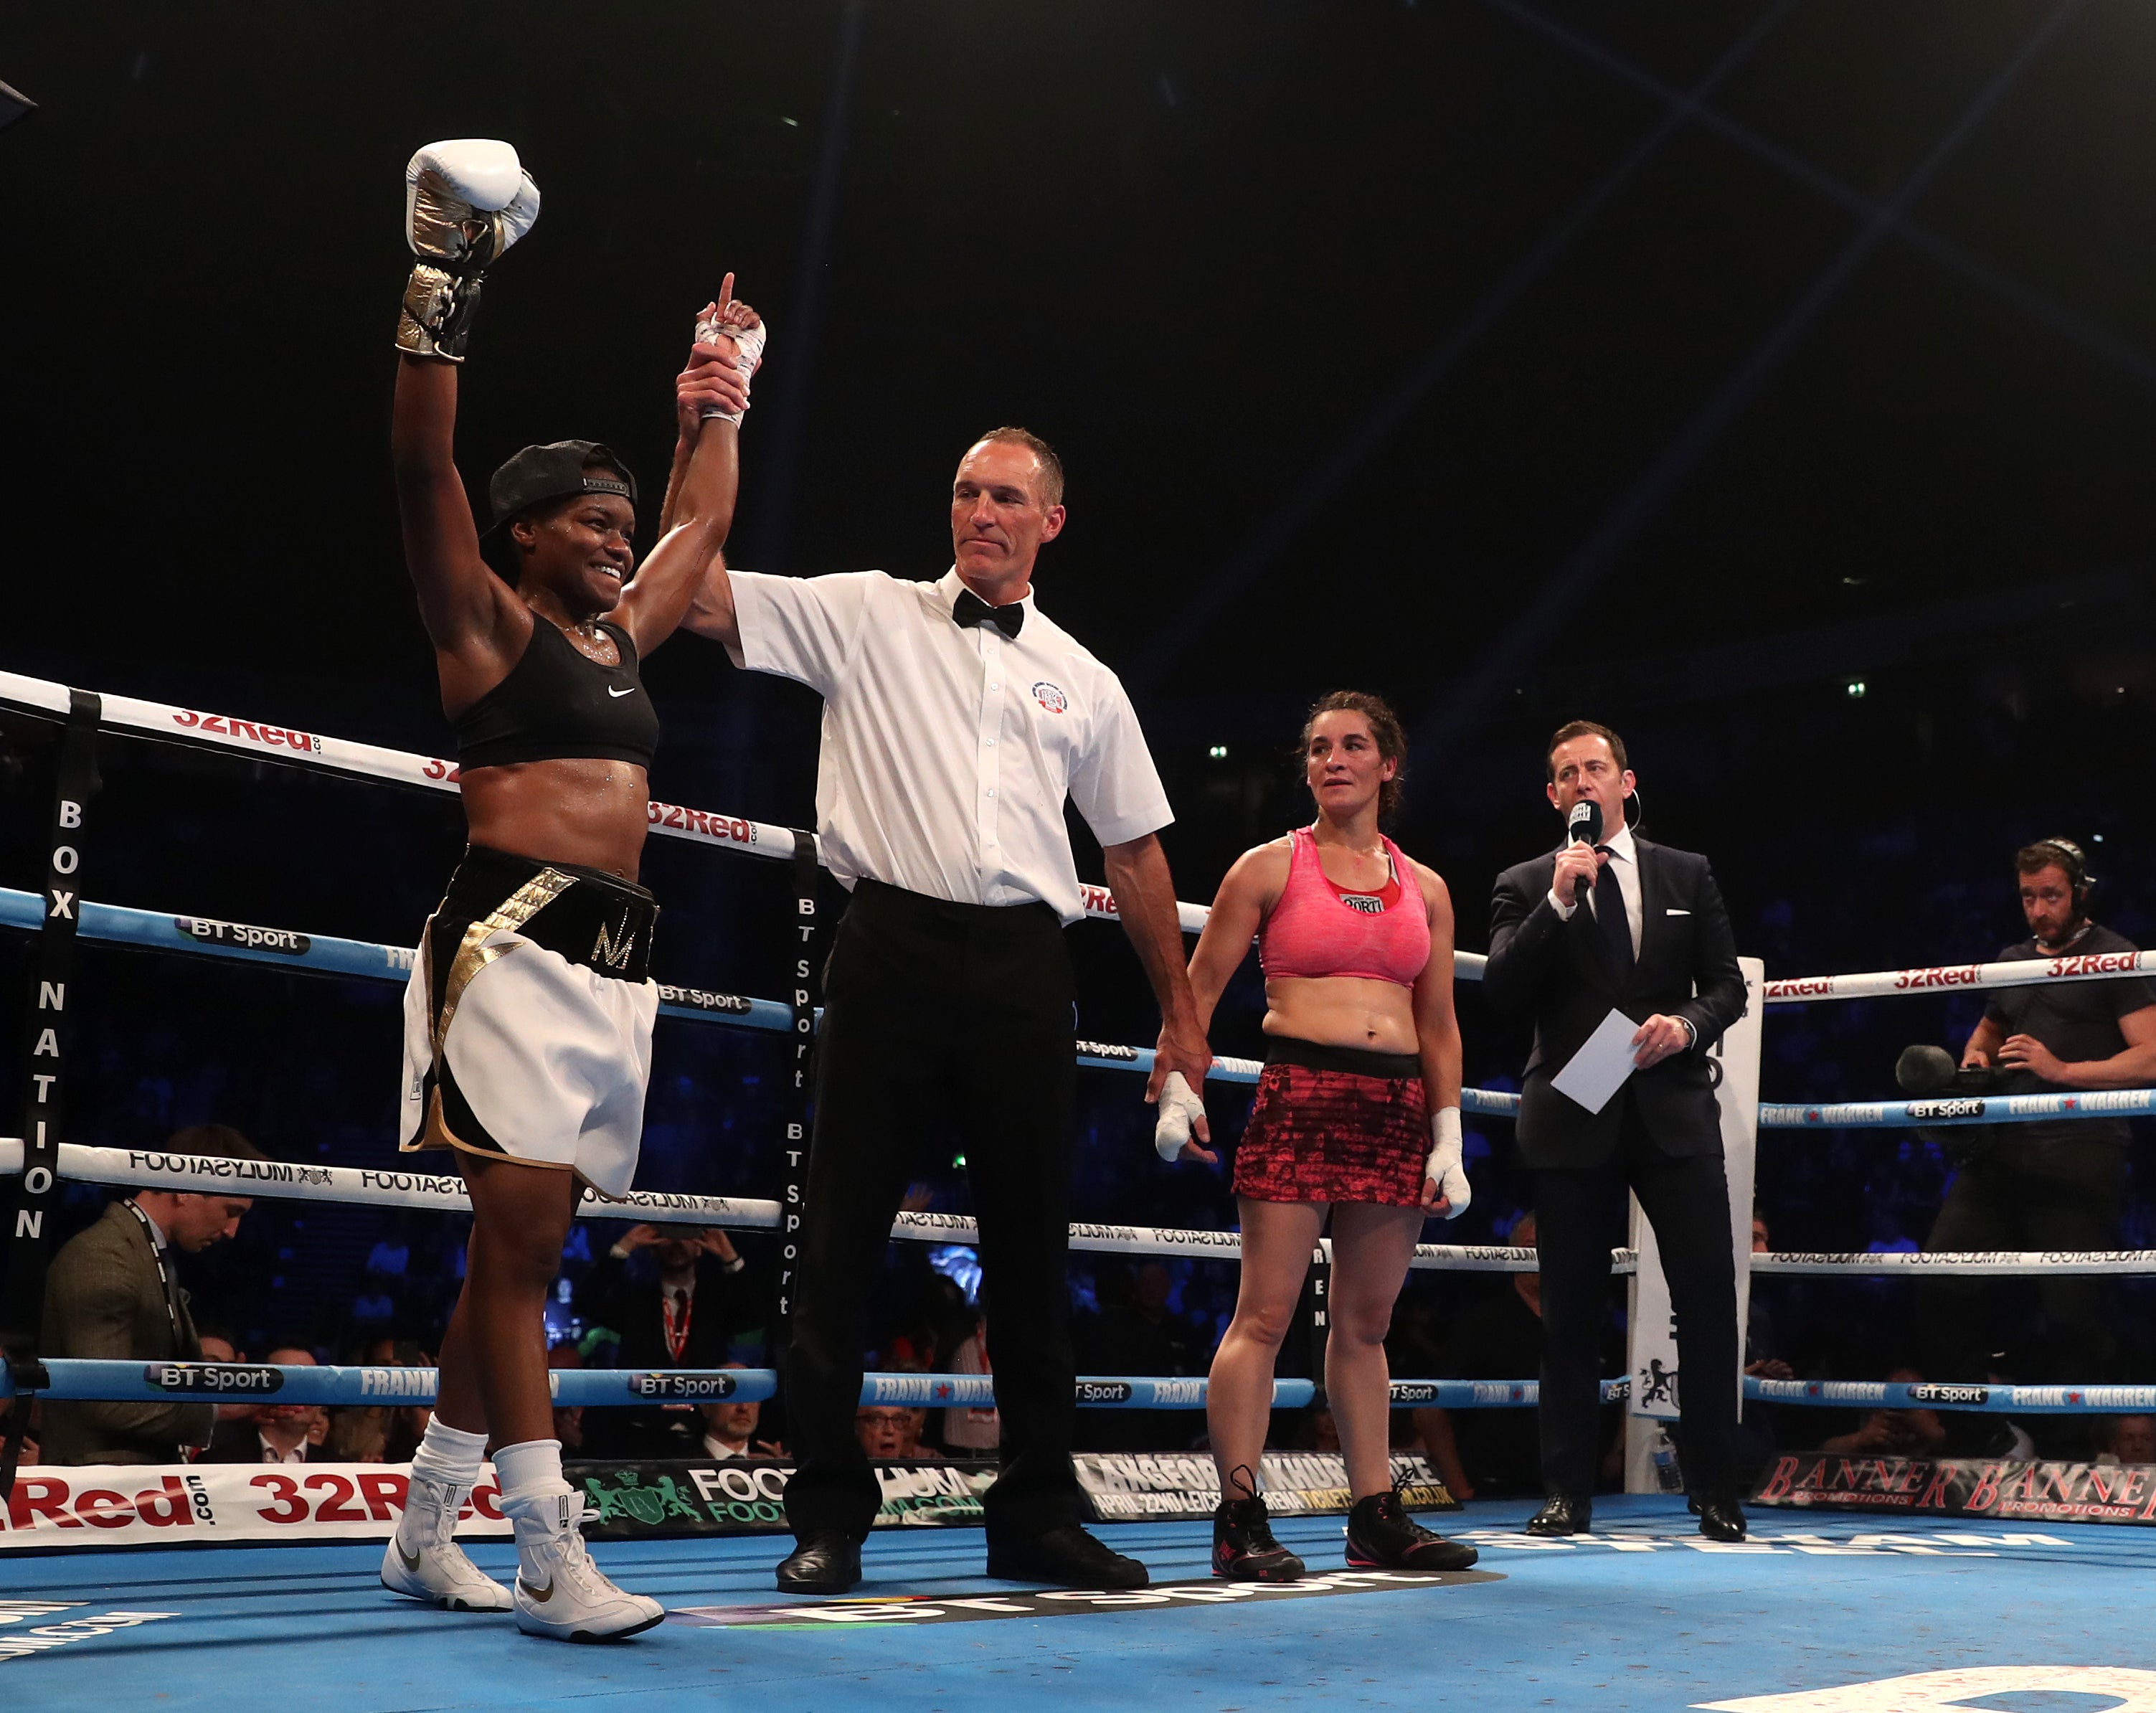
{"x":972,"y":609}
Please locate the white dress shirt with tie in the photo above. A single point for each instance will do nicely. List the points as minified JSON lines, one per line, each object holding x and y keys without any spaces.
{"x":1624,"y":864}
{"x":949,"y":751}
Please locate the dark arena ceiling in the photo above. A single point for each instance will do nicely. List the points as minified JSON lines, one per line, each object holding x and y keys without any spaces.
{"x":1497,"y":354}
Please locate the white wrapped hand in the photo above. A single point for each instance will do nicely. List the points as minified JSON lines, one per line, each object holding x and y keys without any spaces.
{"x":1443,"y":1167}
{"x":748,"y":341}
{"x":1179,"y":1108}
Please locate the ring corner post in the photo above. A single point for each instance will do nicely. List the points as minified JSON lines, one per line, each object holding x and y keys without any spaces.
{"x":31,"y":1238}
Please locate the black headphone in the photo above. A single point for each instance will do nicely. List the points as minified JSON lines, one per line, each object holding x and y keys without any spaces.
{"x":2074,"y":862}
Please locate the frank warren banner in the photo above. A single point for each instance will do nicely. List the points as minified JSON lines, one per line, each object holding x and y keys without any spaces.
{"x":1961,"y":1487}
{"x":209,"y":1504}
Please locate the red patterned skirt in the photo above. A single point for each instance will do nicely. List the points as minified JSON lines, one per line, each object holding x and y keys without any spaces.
{"x":1335,"y":1124}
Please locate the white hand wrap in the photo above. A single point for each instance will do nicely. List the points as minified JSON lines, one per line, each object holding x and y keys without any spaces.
{"x":1178,"y":1108}
{"x":748,"y":348}
{"x":1443,"y":1168}
{"x":465,"y":202}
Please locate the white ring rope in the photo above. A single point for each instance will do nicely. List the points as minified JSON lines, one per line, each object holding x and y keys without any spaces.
{"x":294,"y":748}
{"x":158,"y":1169}
{"x":1956,"y":978}
{"x":267,"y":742}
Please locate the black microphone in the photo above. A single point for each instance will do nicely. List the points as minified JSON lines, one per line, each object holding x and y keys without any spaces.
{"x":1583,"y":826}
{"x":1926,"y":1070}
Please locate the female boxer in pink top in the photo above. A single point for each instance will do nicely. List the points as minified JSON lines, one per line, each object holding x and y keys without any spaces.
{"x":1357,"y":1115}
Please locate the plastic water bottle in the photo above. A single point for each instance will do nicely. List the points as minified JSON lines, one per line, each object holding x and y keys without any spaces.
{"x":1668,"y":1477}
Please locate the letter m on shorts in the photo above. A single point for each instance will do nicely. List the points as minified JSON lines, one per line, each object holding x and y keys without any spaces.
{"x":606,"y":953}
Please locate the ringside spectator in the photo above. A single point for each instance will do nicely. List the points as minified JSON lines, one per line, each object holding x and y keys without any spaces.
{"x":1140,"y":1334}
{"x":273,"y":1433}
{"x":113,"y":1293}
{"x":889,"y":1431}
{"x":730,"y":1427}
{"x":1903,"y":1432}
{"x":216,"y":1347}
{"x":380,"y":1434}
{"x":2127,"y":1439}
{"x":2051,"y":1184}
{"x":702,"y":1299}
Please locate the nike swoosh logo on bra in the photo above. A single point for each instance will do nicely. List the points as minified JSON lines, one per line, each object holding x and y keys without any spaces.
{"x":541,"y":1595}
{"x":611,"y":691}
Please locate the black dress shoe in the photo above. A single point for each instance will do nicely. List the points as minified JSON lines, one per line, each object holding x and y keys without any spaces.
{"x":1720,"y":1518}
{"x":829,"y":1563}
{"x":1067,"y":1557}
{"x":1563,"y":1514}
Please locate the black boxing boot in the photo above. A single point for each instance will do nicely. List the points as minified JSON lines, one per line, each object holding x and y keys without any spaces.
{"x":1382,"y":1535}
{"x":1244,"y":1550}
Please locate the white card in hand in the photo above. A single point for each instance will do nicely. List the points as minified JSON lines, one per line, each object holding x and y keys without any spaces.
{"x":1599,"y":1069}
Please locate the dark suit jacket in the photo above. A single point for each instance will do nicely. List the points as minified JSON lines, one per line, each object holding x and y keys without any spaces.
{"x":103,"y":1298}
{"x":1544,"y":968}
{"x":724,"y":1305}
{"x":237,"y":1441}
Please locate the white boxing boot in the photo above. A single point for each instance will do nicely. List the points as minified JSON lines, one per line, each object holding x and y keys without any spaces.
{"x":560,"y":1592}
{"x":423,"y":1559}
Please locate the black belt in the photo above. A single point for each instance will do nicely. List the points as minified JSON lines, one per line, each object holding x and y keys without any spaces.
{"x":1355,"y":1061}
{"x":599,"y":920}
{"x":881,"y":897}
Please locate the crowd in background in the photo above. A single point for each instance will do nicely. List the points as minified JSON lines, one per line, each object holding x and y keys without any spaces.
{"x":1900,"y":866}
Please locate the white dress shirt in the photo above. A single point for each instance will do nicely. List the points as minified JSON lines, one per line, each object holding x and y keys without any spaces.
{"x":948,"y":750}
{"x":1624,"y":863}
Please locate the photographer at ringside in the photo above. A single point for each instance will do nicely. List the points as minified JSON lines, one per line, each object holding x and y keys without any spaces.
{"x":2054,"y":1184}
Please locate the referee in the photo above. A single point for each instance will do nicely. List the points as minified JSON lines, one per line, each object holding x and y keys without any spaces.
{"x":957,"y":717}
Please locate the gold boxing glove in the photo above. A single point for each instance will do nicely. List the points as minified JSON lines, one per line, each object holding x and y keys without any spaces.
{"x":465,"y":202}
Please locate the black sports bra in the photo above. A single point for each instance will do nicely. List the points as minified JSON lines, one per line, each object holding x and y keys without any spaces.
{"x":557,"y":701}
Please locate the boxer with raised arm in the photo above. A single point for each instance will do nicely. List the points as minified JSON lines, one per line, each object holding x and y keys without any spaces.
{"x":528,"y":1016}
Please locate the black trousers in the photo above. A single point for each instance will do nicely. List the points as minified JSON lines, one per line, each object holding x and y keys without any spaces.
{"x":2062,"y":1193}
{"x":940,"y":1015}
{"x":1579,"y":1218}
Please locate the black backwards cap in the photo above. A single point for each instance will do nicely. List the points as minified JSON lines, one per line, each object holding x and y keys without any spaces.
{"x":554,"y":471}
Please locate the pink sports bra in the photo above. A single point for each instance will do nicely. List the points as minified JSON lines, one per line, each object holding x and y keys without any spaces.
{"x":1318,"y":929}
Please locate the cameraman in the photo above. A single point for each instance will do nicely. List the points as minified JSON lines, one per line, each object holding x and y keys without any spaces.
{"x":2057,"y":1184}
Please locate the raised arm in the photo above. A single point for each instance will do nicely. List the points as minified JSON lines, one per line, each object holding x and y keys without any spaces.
{"x":463,"y":605}
{"x":711,"y":607}
{"x":710,"y":396}
{"x":1525,"y":934}
{"x":465,"y":203}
